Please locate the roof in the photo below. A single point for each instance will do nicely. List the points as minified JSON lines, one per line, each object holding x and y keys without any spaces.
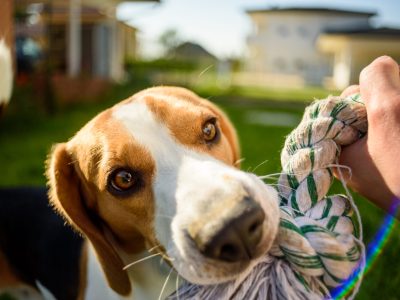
{"x":192,"y":50}
{"x":381,"y":32}
{"x":313,"y":10}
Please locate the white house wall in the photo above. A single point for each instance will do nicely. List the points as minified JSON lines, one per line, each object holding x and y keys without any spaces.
{"x":285,"y":43}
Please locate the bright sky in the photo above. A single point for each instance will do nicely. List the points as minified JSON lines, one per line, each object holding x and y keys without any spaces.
{"x":221,"y":26}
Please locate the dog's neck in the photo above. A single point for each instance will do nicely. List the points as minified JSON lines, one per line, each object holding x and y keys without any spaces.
{"x":147,"y":278}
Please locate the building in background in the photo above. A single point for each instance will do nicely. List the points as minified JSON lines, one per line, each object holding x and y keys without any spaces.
{"x":79,"y":36}
{"x":353,"y":49}
{"x":314,"y":46}
{"x":74,"y":47}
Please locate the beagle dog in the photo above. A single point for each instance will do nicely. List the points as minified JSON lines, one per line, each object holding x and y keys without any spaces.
{"x":155,"y":178}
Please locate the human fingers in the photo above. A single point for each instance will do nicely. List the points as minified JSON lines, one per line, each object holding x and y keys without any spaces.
{"x":381,"y":77}
{"x":353,"y":89}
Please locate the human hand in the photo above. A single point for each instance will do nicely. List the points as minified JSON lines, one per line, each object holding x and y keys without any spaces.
{"x":375,"y":159}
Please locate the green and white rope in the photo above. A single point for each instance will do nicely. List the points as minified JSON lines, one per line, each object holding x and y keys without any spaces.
{"x":319,"y":242}
{"x":323,"y":225}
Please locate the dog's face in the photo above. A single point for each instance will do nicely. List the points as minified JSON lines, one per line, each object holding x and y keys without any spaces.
{"x":157,"y":170}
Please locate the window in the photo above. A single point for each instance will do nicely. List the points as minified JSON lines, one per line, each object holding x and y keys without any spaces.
{"x":303,"y":32}
{"x":283,"y":30}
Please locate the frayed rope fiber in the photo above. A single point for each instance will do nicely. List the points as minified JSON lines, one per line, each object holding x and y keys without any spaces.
{"x":319,"y":242}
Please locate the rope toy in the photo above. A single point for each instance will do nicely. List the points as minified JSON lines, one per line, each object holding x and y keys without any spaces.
{"x":319,"y":242}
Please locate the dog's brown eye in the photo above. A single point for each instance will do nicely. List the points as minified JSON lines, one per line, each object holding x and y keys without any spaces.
{"x":122,"y":180}
{"x":209,"y":131}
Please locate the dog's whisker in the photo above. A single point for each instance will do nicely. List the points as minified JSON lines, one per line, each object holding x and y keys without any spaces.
{"x":165,"y":256}
{"x":177,"y":285}
{"x":270,"y":176}
{"x":72,"y":162}
{"x":259,"y":165}
{"x":155,"y":247}
{"x":205,"y":70}
{"x":141,"y":260}
{"x":165,"y":284}
{"x":239,"y":161}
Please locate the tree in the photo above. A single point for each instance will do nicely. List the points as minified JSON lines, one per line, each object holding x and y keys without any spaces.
{"x":169,"y":40}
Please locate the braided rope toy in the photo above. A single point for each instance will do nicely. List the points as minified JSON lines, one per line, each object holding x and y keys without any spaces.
{"x":319,"y":242}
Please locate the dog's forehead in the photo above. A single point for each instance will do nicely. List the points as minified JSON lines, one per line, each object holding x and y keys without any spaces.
{"x":167,"y":102}
{"x":153,"y":120}
{"x":160,"y":104}
{"x":154,"y":117}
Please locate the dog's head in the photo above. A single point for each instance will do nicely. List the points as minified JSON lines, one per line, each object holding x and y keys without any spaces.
{"x":158,"y":170}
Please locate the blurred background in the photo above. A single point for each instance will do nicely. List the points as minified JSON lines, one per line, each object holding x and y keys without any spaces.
{"x":261,"y":61}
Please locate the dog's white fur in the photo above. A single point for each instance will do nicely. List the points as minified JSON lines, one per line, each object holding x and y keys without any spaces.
{"x":6,"y":73}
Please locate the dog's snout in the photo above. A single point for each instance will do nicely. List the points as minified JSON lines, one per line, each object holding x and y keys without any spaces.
{"x":239,"y":236}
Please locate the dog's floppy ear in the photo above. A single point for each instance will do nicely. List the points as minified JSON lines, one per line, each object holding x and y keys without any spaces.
{"x":66,"y":197}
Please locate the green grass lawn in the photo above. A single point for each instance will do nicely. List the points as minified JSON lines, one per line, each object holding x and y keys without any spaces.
{"x":26,"y":136}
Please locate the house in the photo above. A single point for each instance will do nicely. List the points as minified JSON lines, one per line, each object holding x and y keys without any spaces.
{"x":353,"y":49}
{"x":79,"y":36}
{"x":78,"y":46}
{"x":290,"y":46}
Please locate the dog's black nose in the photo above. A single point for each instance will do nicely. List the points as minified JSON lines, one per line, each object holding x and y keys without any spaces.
{"x":239,"y":236}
